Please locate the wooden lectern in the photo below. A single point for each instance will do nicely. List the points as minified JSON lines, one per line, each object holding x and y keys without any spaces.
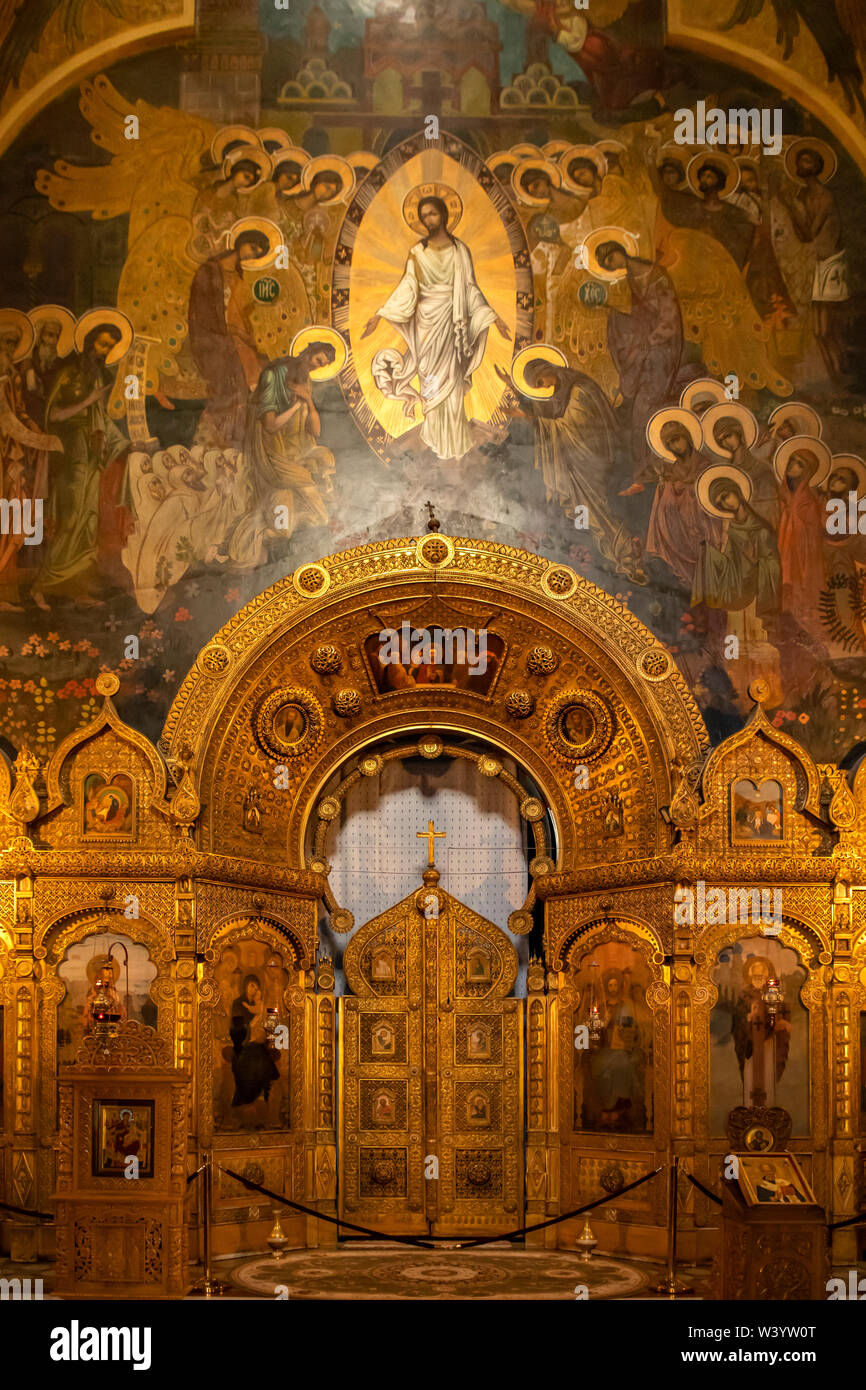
{"x":121,"y":1172}
{"x":771,"y":1250}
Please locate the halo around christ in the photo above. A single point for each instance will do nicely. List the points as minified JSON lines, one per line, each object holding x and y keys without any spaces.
{"x":450,"y":197}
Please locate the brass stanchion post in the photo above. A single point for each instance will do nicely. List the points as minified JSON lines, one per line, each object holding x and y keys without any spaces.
{"x":670,"y":1285}
{"x":208,"y":1287}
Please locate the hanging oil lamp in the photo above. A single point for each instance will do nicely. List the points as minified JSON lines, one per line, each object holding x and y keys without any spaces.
{"x":595,"y":1022}
{"x":771,"y":996}
{"x":104,"y":1014}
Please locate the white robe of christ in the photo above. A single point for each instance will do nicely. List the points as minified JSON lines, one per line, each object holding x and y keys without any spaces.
{"x":444,"y":318}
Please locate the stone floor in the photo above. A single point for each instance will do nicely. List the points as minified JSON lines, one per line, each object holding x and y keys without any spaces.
{"x":386,"y":1271}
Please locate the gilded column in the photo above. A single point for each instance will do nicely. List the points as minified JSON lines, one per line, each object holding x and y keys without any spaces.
{"x":537,"y":1077}
{"x":842,"y":1041}
{"x":320,"y":1108}
{"x":21,"y":995}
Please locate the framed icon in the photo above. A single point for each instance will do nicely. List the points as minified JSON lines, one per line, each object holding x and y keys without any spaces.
{"x":383,"y":1039}
{"x":122,"y":1129}
{"x":773,"y":1179}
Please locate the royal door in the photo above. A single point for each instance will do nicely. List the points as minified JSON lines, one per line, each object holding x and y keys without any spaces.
{"x":431,"y":1072}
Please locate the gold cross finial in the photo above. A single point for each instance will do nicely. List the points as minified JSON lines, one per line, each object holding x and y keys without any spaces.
{"x":430,"y":835}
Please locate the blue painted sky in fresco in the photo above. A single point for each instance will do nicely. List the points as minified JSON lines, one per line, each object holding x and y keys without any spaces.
{"x":347,"y":19}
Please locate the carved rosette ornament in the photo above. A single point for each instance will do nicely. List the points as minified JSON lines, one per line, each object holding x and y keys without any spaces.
{"x":327,"y":660}
{"x":531,"y":808}
{"x":559,"y":582}
{"x":519,"y":704}
{"x":434,"y":552}
{"x":215,"y":660}
{"x":520,"y":922}
{"x":541,"y":661}
{"x":430,"y":746}
{"x":311,"y":581}
{"x":655,"y":664}
{"x":347,"y":703}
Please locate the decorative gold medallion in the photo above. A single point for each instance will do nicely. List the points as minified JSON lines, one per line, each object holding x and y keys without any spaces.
{"x":434,"y":551}
{"x":288,"y":722}
{"x":655,"y":664}
{"x":541,"y":865}
{"x":489,"y":767}
{"x":520,"y":922}
{"x":327,"y":660}
{"x":531,"y":808}
{"x":311,"y":581}
{"x":578,"y":725}
{"x":328,"y":808}
{"x":372,"y":765}
{"x":542,"y":661}
{"x":107,"y":683}
{"x":215,"y":659}
{"x":347,"y":703}
{"x":430,"y":746}
{"x":558,"y":581}
{"x":519,"y":704}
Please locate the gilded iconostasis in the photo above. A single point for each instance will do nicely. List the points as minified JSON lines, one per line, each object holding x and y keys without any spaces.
{"x":645,"y":361}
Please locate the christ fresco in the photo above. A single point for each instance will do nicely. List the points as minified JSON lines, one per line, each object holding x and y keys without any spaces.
{"x":444,"y":318}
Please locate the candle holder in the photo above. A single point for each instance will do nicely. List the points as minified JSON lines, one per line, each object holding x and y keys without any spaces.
{"x":277,"y":1240}
{"x":587,"y":1242}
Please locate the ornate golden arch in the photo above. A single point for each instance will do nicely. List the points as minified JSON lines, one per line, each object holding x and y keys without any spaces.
{"x":307,"y":632}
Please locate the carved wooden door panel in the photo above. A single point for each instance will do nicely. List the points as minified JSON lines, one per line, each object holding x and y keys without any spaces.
{"x":431,"y":1073}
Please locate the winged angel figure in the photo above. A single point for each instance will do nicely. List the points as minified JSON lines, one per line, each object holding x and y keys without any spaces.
{"x":837,"y":26}
{"x":157,"y":179}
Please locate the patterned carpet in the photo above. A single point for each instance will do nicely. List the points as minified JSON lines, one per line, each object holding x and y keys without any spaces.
{"x":387,"y":1273}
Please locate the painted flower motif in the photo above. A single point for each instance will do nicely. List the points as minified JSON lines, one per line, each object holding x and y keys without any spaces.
{"x":183,"y":615}
{"x":232,"y":595}
{"x":803,"y":718}
{"x":168,"y":675}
